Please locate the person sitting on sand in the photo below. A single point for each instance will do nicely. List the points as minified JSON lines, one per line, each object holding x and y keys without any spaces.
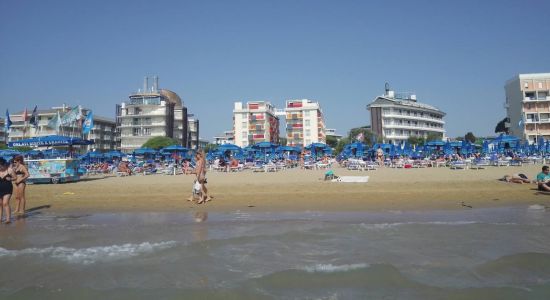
{"x":543,"y":179}
{"x":516,"y":178}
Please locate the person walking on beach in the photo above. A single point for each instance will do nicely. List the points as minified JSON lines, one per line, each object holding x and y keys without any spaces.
{"x":200,"y":173}
{"x":22,"y":174}
{"x":202,"y":179}
{"x":6,"y":189}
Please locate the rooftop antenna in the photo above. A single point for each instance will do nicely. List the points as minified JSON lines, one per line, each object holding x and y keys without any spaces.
{"x":387,"y":87}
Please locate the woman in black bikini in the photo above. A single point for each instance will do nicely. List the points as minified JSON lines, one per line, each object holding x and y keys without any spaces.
{"x":6,"y":188}
{"x":22,"y":174}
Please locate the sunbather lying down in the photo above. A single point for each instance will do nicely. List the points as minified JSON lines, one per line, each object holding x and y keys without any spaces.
{"x":516,"y":178}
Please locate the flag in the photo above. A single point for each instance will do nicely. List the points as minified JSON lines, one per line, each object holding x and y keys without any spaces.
{"x":34,"y":117}
{"x":521,"y":122}
{"x":55,"y":122}
{"x":88,"y":123}
{"x":8,"y":123}
{"x":25,"y":115}
{"x":72,"y":116}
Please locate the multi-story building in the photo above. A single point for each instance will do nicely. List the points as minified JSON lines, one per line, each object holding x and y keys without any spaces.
{"x":3,"y":133}
{"x":226,"y":138}
{"x":397,"y":116}
{"x":305,"y":123}
{"x":332,"y":133}
{"x":150,"y":113}
{"x":102,"y":134}
{"x":193,"y":132}
{"x":255,"y":122}
{"x":528,"y":106}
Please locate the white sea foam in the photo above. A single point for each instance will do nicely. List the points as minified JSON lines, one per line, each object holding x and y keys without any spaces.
{"x":329,"y":268}
{"x":93,"y":254}
{"x":536,"y":207}
{"x":445,"y":223}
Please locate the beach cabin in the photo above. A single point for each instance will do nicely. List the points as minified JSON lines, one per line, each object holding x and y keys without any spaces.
{"x":57,"y":170}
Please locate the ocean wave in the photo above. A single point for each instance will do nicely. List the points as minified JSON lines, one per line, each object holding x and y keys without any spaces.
{"x":330,"y":268}
{"x":446,"y":223}
{"x":93,"y":254}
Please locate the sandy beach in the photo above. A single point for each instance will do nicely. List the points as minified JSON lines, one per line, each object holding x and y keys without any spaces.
{"x":295,"y":190}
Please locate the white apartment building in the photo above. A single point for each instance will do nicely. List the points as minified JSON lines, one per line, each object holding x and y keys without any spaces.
{"x":102,"y":133}
{"x":305,"y":123}
{"x":226,"y":138}
{"x":193,"y":140}
{"x":3,"y":134}
{"x":154,"y":112}
{"x":397,"y":116}
{"x":255,"y":122}
{"x":528,"y":106}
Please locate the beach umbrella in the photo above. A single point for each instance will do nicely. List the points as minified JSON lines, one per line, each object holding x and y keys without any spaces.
{"x":230,"y":147}
{"x":114,"y":153}
{"x":50,"y":140}
{"x":174,"y":148}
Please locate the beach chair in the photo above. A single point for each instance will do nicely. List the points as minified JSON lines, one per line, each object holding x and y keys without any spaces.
{"x":458,"y":165}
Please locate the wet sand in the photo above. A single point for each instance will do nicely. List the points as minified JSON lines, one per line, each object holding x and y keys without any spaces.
{"x":295,"y":190}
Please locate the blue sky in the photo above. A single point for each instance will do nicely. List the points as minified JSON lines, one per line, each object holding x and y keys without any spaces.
{"x":455,"y":55}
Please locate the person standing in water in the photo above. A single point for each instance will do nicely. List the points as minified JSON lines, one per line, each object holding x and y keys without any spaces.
{"x":202,"y":178}
{"x":6,"y":189}
{"x":22,"y":173}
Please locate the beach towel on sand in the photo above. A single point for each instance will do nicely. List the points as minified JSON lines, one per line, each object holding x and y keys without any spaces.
{"x":362,"y":179}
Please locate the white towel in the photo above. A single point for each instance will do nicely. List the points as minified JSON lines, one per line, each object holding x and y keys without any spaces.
{"x":363,"y":179}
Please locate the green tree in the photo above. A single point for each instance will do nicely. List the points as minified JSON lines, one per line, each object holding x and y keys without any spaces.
{"x":367,"y":135}
{"x":416,"y":140}
{"x":432,"y":136}
{"x":210,"y":147}
{"x":332,"y":141}
{"x":3,"y":146}
{"x":470,"y":137}
{"x":340,"y":146}
{"x":501,"y":126}
{"x":282,"y":141}
{"x":160,"y":142}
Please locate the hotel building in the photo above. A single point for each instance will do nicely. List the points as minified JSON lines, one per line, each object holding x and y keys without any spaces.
{"x":226,"y":138}
{"x":3,"y":134}
{"x":102,"y":133}
{"x":192,"y":132}
{"x":397,"y":116}
{"x":154,"y":112}
{"x":305,"y":123}
{"x":255,"y":122}
{"x":528,"y":106}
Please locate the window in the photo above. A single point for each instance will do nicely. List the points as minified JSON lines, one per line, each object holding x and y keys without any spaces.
{"x":387,"y":132}
{"x":308,"y":132}
{"x":306,"y":113}
{"x":307,"y":122}
{"x":245,"y":124}
{"x":244,"y":135}
{"x":147,"y":131}
{"x":136,"y":132}
{"x":540,"y":85}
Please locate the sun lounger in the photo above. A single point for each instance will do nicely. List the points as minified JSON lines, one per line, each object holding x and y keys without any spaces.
{"x":456,"y":165}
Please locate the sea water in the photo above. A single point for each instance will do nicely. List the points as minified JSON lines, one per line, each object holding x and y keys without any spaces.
{"x":498,"y":253}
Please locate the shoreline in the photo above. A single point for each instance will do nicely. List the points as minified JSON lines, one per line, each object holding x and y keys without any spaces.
{"x":294,"y":190}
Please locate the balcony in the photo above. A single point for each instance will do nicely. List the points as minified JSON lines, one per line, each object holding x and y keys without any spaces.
{"x":412,"y":117}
